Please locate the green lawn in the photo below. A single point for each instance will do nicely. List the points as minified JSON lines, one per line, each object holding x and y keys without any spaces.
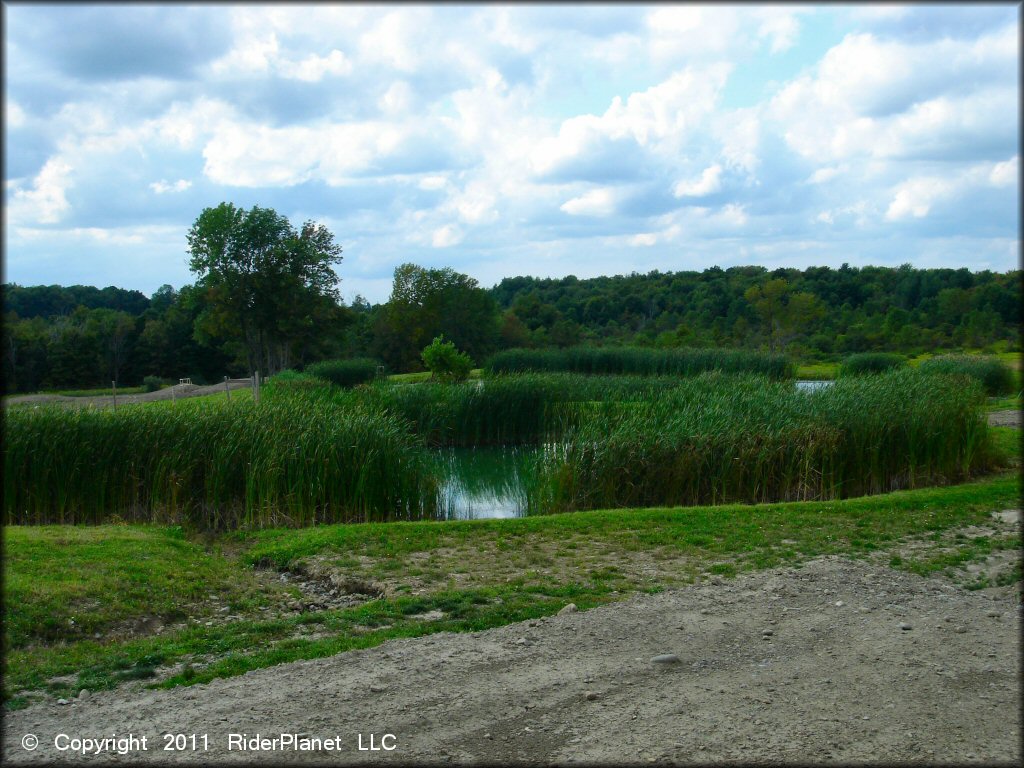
{"x":71,"y":593}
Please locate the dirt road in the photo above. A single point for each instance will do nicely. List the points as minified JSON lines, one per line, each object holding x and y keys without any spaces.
{"x":836,"y":662}
{"x":177,"y":391}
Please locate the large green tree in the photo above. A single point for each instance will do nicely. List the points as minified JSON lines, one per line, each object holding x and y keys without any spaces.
{"x":426,"y":303}
{"x":269,"y":288}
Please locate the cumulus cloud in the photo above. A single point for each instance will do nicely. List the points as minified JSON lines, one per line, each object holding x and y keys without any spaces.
{"x":596,"y":202}
{"x":446,"y":236}
{"x":710,"y":181}
{"x":162,"y":187}
{"x":45,"y":202}
{"x":522,"y":135}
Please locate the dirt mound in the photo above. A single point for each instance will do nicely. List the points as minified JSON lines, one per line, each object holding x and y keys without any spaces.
{"x":838,"y":661}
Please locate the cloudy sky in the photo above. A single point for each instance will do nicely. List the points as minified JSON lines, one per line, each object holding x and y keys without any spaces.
{"x":506,"y":140}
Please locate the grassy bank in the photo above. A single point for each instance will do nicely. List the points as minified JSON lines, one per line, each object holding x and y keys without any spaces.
{"x":73,"y":593}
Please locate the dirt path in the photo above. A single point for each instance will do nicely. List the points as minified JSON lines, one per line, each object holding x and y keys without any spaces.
{"x":179,"y":391}
{"x":1004,"y":419}
{"x":838,"y":661}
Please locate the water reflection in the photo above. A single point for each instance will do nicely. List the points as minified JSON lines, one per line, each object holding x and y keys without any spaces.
{"x":810,"y":386}
{"x":484,"y":482}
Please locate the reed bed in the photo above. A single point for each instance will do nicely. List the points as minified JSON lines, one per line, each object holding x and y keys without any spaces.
{"x":313,"y":453}
{"x":513,"y":409}
{"x":995,"y":376}
{"x":640,"y":361}
{"x":867,"y":363}
{"x":345,"y":373}
{"x":725,"y":439}
{"x":295,"y":459}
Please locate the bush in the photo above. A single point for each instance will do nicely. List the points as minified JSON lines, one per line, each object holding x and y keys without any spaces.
{"x":292,"y":379}
{"x":152,"y":383}
{"x":445,"y":362}
{"x":995,"y":377}
{"x":345,"y":373}
{"x":865,"y":363}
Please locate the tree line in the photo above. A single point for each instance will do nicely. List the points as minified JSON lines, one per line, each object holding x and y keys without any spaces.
{"x":266,"y":298}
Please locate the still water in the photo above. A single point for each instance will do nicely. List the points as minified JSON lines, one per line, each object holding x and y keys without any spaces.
{"x":492,"y":482}
{"x":485,"y":482}
{"x":810,"y":386}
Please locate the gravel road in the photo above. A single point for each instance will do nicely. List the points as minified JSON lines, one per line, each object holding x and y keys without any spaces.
{"x":839,"y":661}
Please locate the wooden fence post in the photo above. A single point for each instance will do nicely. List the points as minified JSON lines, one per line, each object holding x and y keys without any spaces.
{"x":226,"y":389}
{"x":113,"y":386}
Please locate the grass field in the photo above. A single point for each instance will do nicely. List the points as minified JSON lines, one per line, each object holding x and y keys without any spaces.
{"x":71,"y":594}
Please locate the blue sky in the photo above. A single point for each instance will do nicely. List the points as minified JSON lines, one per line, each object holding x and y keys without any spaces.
{"x":506,"y":140}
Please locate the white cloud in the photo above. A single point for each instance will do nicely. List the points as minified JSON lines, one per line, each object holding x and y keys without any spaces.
{"x":396,"y":99}
{"x":432,"y":182}
{"x":916,"y":197}
{"x":597,"y":202}
{"x":446,"y":236}
{"x":822,"y":175}
{"x":893,"y":99}
{"x":732,"y":214}
{"x":163,"y":186}
{"x":657,"y":119}
{"x":391,"y":40}
{"x":643,"y":239}
{"x":244,"y":155}
{"x":45,"y":202}
{"x":710,"y":181}
{"x":14,"y":115}
{"x":1006,"y":173}
{"x":780,"y":26}
{"x":314,"y":68}
{"x":683,"y":32}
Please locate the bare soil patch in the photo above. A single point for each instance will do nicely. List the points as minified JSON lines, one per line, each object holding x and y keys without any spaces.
{"x":1004,"y":419}
{"x":106,"y":401}
{"x":839,"y":661}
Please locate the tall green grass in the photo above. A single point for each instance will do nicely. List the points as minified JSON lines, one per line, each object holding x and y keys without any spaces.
{"x":295,"y":459}
{"x":720,"y":439}
{"x":312,"y":453}
{"x":995,"y":376}
{"x":513,"y":409}
{"x":641,"y":361}
{"x":345,"y":373}
{"x":864,"y":363}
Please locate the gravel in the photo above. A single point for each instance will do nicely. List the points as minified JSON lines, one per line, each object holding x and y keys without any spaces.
{"x":587,"y":691}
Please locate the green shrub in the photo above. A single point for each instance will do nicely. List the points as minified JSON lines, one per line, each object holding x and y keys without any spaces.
{"x":994,"y":375}
{"x":292,"y":379}
{"x":865,"y":363}
{"x":345,"y":373}
{"x":640,"y":361}
{"x":152,"y":383}
{"x":445,"y":362}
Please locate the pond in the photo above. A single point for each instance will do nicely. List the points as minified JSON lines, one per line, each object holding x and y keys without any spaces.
{"x":484,"y":482}
{"x":810,"y":386}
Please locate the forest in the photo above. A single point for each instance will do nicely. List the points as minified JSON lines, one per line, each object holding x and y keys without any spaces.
{"x":71,"y":336}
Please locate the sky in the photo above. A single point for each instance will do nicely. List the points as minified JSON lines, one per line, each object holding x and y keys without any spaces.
{"x":520,"y":139}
